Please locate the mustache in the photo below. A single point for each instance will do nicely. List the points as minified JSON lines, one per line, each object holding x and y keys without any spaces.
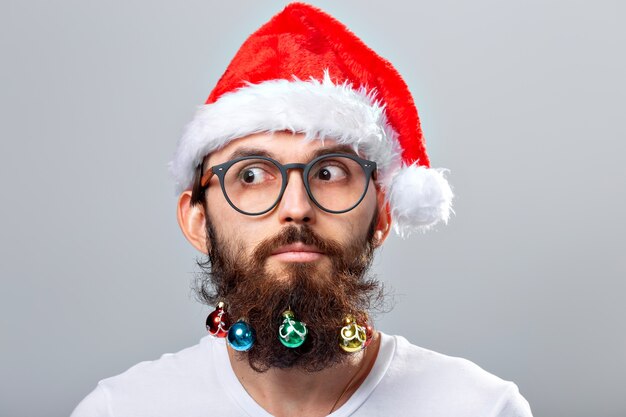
{"x":294,"y":234}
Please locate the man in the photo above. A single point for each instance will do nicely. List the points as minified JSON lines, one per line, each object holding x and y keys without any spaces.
{"x":305,"y":155}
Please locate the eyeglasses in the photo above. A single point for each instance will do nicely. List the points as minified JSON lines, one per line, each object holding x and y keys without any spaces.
{"x":253,"y":185}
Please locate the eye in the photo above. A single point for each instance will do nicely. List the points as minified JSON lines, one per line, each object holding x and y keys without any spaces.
{"x":254,"y":175}
{"x":331,"y":172}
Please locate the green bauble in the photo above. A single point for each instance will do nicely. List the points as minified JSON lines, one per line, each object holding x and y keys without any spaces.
{"x":292,"y":333}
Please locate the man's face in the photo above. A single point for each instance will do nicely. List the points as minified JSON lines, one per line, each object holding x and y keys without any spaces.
{"x":296,"y":257}
{"x":295,"y":207}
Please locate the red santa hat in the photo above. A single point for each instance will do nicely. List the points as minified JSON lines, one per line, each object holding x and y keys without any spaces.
{"x":305,"y":72}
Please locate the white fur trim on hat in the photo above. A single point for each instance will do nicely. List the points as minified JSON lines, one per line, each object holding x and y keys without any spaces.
{"x":419,"y":197}
{"x":320,"y":110}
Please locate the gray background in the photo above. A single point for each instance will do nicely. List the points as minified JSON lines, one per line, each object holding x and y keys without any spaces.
{"x":523,"y":101}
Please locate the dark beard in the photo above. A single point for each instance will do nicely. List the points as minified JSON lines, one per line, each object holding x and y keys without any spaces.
{"x":320,"y":298}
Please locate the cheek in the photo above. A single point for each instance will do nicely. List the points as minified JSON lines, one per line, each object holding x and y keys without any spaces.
{"x":235,"y":230}
{"x":365,"y":211}
{"x":215,"y":198}
{"x":229,"y":223}
{"x":222,"y":216}
{"x":345,"y":227}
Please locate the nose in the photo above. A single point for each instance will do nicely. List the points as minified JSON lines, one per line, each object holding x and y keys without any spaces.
{"x":295,"y":205}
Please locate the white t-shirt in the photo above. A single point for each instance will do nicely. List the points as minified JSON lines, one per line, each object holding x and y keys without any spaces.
{"x":405,"y":380}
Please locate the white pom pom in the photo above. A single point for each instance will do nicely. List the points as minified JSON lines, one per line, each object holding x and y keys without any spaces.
{"x":420,"y":198}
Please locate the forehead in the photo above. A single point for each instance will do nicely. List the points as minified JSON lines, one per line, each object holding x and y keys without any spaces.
{"x":285,"y":147}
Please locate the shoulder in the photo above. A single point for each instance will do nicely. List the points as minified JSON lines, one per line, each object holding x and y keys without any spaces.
{"x":455,"y":384}
{"x":186,"y":364}
{"x":412,"y":361}
{"x":153,"y":386}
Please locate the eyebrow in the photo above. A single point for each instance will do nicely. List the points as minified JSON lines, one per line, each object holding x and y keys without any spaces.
{"x":246,"y":151}
{"x":334,"y":149}
{"x":250,"y":151}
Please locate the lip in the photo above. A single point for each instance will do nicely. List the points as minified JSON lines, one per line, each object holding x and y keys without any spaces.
{"x":297,"y":252}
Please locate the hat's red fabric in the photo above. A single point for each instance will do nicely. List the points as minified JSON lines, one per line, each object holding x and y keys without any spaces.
{"x":304,"y":41}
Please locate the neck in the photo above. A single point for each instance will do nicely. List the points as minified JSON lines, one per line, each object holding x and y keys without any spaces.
{"x":287,"y":392}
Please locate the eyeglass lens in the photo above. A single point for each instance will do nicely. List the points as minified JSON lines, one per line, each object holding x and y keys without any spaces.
{"x":336,"y":183}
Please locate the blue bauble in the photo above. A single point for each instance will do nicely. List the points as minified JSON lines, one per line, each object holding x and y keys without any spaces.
{"x":241,"y":336}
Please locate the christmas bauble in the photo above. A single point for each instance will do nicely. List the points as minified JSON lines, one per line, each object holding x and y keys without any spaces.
{"x":369,"y":334}
{"x":218,"y":322}
{"x":241,"y":336}
{"x":292,"y":333}
{"x":352,"y":337}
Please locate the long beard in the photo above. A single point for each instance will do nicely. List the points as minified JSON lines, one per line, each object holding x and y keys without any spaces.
{"x":320,"y":297}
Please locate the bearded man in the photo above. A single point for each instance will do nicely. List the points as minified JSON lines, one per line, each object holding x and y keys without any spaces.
{"x":306,"y":153}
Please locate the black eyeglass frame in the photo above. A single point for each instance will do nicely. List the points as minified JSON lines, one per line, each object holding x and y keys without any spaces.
{"x":369,"y":168}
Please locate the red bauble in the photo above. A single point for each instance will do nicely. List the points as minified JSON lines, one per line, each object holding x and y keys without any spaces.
{"x":369,"y":333}
{"x":218,"y":322}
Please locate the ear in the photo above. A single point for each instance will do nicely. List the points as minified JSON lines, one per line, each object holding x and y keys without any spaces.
{"x":192,"y":221}
{"x":384,"y":218}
